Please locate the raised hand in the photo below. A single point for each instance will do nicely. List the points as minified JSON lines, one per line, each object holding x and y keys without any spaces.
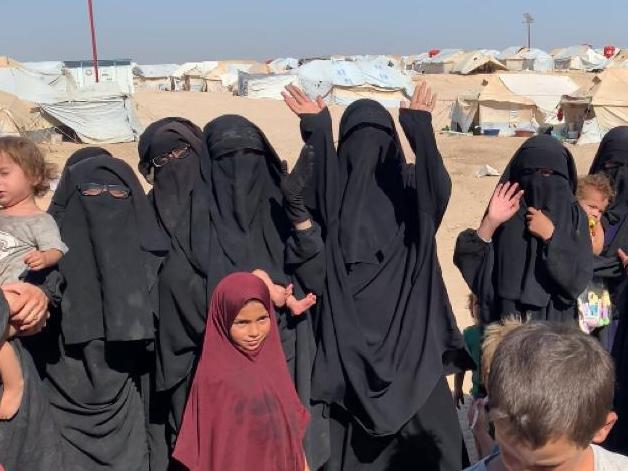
{"x":504,"y":205}
{"x":300,"y":103}
{"x":422,"y":99}
{"x":539,"y":224}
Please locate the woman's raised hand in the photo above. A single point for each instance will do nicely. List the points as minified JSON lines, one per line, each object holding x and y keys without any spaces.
{"x":504,"y":204}
{"x":422,"y":99}
{"x":300,"y":103}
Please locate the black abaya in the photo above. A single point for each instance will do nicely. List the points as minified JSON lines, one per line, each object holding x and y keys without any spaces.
{"x":30,"y":440}
{"x":234,"y":221}
{"x":612,"y":160}
{"x":387,"y":332}
{"x":517,"y":273}
{"x":99,"y":346}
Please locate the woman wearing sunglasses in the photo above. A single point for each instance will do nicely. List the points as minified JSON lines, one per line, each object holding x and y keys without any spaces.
{"x":97,"y":353}
{"x":532,"y":253}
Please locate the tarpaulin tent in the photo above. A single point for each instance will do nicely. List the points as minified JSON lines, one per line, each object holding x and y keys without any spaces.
{"x":511,"y":101}
{"x":595,"y":109}
{"x":265,"y":85}
{"x":443,"y":62}
{"x":99,"y":114}
{"x":22,"y":118}
{"x":527,"y":59}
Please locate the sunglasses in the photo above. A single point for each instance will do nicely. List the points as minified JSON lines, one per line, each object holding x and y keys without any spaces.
{"x":175,"y":154}
{"x":95,"y":189}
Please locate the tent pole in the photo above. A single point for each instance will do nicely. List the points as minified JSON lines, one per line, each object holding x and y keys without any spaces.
{"x":91,"y":24}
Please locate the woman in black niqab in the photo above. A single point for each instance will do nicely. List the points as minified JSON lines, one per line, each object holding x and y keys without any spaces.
{"x":235,"y":221}
{"x":98,"y":348}
{"x":517,"y":272}
{"x":612,"y":160}
{"x":387,"y":333}
{"x":172,"y":178}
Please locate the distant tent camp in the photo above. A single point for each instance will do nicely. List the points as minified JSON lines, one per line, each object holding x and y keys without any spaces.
{"x":595,"y":109}
{"x":155,"y":77}
{"x":580,"y":57}
{"x":215,"y":76}
{"x":512,"y":101}
{"x":442,"y":63}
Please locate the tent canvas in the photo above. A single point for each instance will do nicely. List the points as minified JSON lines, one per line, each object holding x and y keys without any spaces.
{"x":264,"y":85}
{"x":443,"y":62}
{"x":478,"y":62}
{"x":597,"y":108}
{"x":155,"y":76}
{"x":20,"y":117}
{"x":580,"y":57}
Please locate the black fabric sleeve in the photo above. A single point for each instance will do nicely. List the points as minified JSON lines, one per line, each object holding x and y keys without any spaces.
{"x":475,"y":259}
{"x":431,"y":180}
{"x":568,"y":258}
{"x":50,"y":281}
{"x":305,"y":257}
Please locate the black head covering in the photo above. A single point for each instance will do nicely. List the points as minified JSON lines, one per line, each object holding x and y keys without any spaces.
{"x":246,"y":198}
{"x":111,"y":265}
{"x":371,"y":155}
{"x":174,"y":181}
{"x":63,"y":191}
{"x":614,"y":147}
{"x":520,"y":276}
{"x":386,"y":328}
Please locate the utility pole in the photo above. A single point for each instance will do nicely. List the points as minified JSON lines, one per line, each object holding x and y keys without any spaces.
{"x":91,"y":25}
{"x":528,"y":20}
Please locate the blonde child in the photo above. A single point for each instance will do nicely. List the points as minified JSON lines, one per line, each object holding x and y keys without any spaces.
{"x":595,"y":192}
{"x":29,"y":240}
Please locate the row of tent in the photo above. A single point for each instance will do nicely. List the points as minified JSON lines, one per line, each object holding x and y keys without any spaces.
{"x":508,"y":103}
{"x":49,"y":100}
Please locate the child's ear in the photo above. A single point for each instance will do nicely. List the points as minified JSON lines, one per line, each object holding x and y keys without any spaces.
{"x":602,"y":433}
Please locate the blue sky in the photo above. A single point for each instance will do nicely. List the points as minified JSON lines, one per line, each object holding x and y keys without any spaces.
{"x":161,"y":31}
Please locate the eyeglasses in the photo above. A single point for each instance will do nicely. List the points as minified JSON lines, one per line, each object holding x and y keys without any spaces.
{"x":95,"y":189}
{"x":176,"y":154}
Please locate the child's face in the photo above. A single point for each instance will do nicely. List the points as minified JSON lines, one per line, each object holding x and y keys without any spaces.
{"x":593,"y":202}
{"x":557,"y":455}
{"x":250,"y":327}
{"x":15,"y":185}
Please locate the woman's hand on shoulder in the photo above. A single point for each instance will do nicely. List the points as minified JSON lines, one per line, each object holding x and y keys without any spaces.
{"x":300,"y":103}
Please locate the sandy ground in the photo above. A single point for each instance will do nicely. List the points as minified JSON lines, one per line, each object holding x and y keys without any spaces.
{"x":463,"y":155}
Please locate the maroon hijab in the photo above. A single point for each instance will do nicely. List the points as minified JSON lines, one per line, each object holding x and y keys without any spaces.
{"x":243,"y":411}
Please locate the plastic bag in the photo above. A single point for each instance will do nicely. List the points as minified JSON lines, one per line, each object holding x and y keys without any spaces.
{"x":595,"y":308}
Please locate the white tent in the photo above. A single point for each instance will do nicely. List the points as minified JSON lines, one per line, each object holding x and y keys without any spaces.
{"x":265,"y":85}
{"x":283,"y":64}
{"x":580,"y":58}
{"x":481,"y":61}
{"x":119,"y":71}
{"x":99,"y":114}
{"x":527,"y":59}
{"x":443,"y":62}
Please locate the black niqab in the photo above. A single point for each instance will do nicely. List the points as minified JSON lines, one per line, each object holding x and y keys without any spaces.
{"x":174,"y":181}
{"x":520,"y":273}
{"x":106,"y":295}
{"x":64,"y":190}
{"x":387,"y":327}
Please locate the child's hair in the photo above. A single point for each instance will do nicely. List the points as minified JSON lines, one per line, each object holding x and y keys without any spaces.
{"x":597,"y":181}
{"x":493,"y":335}
{"x":27,"y":155}
{"x":550,"y":380}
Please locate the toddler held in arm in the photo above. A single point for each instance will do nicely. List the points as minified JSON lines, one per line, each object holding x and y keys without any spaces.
{"x":29,"y":240}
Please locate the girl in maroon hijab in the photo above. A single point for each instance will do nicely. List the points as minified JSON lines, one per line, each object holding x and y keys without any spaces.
{"x":243,"y":411}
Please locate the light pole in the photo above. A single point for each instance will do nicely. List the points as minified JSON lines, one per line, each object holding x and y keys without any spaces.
{"x":91,"y":25}
{"x":528,"y":20}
